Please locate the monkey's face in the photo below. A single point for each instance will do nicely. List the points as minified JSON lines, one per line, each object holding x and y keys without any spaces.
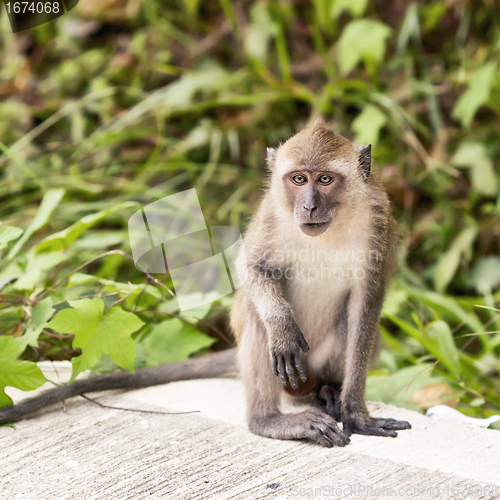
{"x":312,"y":194}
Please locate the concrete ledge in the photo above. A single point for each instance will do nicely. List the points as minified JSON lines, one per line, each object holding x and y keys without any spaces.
{"x":88,"y":452}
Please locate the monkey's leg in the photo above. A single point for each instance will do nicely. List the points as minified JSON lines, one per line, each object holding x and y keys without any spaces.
{"x":328,"y":401}
{"x":363,"y":316}
{"x":263,"y":392}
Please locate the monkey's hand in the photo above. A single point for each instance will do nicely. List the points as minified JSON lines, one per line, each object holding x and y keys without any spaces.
{"x":364,"y":424}
{"x":286,"y":356}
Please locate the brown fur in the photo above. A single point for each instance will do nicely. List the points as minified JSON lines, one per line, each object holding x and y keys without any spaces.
{"x":317,"y":145}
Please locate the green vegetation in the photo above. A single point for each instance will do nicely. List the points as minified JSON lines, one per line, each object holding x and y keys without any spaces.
{"x":120,"y":103}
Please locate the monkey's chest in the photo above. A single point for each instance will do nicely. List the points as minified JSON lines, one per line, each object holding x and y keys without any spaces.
{"x":318,"y":292}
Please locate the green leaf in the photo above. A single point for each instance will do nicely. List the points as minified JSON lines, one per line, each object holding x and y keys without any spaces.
{"x":63,"y":239}
{"x":191,"y":6}
{"x":473,"y":155}
{"x":196,"y":312}
{"x":100,"y":239}
{"x":447,"y":307}
{"x":173,"y":340}
{"x":436,"y":339}
{"x":394,"y":301}
{"x":40,"y":314}
{"x":432,"y":14}
{"x":181,"y":92}
{"x":477,"y":93}
{"x":97,"y":333}
{"x":37,"y":268}
{"x":368,"y":124}
{"x":442,"y":346}
{"x":9,"y":233}
{"x":398,"y":388}
{"x":362,"y":39}
{"x":485,"y":275}
{"x":11,"y":272}
{"x":260,"y":32}
{"x":407,"y":328}
{"x":81,"y":278}
{"x":50,"y":201}
{"x":24,"y":375}
{"x":355,"y":7}
{"x":448,"y":263}
{"x":409,"y":29}
{"x":115,"y":286}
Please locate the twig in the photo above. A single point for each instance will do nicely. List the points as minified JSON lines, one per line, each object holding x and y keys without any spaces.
{"x":458,"y":326}
{"x":137,"y":410}
{"x":140,"y":294}
{"x":19,"y":296}
{"x":99,"y":291}
{"x":57,"y":336}
{"x":93,"y":295}
{"x":477,"y":333}
{"x":62,"y":280}
{"x":420,"y":373}
{"x":119,"y":300}
{"x":491,"y":321}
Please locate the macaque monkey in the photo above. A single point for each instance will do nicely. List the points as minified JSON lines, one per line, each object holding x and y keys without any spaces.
{"x":320,"y":253}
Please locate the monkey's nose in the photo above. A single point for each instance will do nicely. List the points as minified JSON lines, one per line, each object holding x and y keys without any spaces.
{"x":310,"y":207}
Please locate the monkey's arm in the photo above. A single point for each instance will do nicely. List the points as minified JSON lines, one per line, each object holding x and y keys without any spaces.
{"x":211,"y":365}
{"x":285,"y":340}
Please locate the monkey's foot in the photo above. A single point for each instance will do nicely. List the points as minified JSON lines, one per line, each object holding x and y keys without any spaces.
{"x":361,"y":424}
{"x":311,"y":424}
{"x":328,"y":401}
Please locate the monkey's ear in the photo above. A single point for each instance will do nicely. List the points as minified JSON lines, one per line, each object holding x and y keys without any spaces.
{"x":365,"y":160}
{"x":271,"y":155}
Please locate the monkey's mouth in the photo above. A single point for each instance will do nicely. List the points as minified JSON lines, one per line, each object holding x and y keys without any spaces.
{"x":314,"y":228}
{"x":316,"y":224}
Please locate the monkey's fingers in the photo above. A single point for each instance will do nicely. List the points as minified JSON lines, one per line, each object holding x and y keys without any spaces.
{"x":377,"y":431}
{"x":328,"y":439}
{"x":375,"y":427}
{"x":281,"y":370}
{"x":274,"y":364}
{"x":366,"y":429}
{"x":302,"y":342}
{"x":391,"y":424}
{"x":290,"y":371}
{"x":327,"y":434}
{"x":300,"y":367}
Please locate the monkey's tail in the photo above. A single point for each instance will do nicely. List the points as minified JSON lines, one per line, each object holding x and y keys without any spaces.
{"x":211,"y":365}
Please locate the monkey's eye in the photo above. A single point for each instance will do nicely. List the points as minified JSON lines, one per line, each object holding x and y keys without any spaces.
{"x":299,"y":179}
{"x":325,"y":179}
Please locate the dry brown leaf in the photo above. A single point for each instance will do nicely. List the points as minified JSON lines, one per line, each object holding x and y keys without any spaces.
{"x":433,"y":395}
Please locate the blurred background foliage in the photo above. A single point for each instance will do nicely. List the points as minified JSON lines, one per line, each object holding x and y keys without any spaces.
{"x":120,"y":103}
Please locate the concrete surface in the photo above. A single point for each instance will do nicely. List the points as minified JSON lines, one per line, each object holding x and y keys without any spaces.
{"x":88,"y":452}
